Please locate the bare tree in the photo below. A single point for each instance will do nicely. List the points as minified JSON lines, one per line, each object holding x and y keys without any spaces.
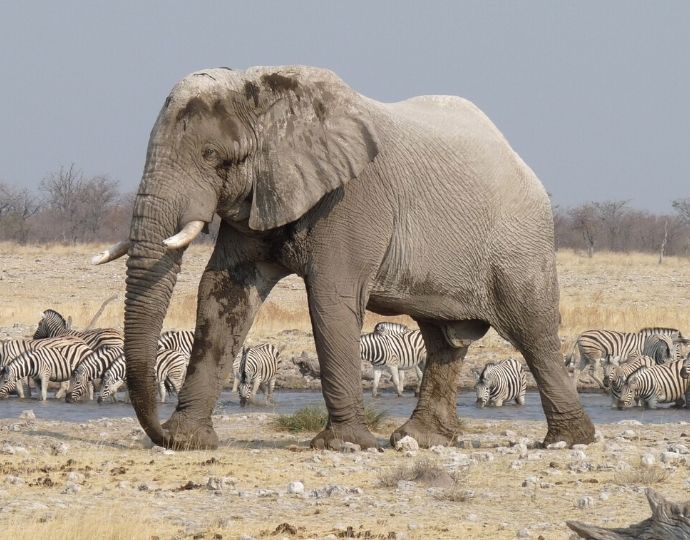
{"x":611,"y":214}
{"x":586,"y":221}
{"x":17,"y":207}
{"x":682,"y":207}
{"x":78,"y":204}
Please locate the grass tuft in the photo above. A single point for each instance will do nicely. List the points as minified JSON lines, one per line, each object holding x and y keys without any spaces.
{"x":641,"y":476}
{"x":312,"y":418}
{"x":424,"y":471}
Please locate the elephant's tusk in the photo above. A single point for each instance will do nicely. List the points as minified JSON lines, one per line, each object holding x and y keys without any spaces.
{"x":113,"y":252}
{"x":183,"y":238}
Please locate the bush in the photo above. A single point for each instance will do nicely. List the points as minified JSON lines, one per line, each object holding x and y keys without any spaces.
{"x":313,"y":418}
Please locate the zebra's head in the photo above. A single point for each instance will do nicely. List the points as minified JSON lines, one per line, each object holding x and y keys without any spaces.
{"x":77,"y":385}
{"x":51,"y":324}
{"x":629,"y":392}
{"x":109,"y":386}
{"x":685,"y":370}
{"x":483,"y":386}
{"x":610,"y":365}
{"x":8,"y":381}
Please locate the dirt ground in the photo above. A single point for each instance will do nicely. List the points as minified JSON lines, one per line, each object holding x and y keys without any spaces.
{"x":56,"y":476}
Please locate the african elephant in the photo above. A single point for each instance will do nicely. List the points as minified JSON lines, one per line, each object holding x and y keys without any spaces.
{"x":419,"y":207}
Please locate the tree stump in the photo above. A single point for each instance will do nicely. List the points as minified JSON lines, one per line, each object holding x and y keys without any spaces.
{"x":669,"y":521}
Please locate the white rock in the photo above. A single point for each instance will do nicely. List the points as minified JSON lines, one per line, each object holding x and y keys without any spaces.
{"x":218,"y":483}
{"x":14,"y":480}
{"x":579,"y":447}
{"x":670,"y":457}
{"x":71,"y":487}
{"x":59,"y":448}
{"x":585,"y":502}
{"x":407,"y":443}
{"x":604,"y":496}
{"x":535,"y":456}
{"x":530,"y":481}
{"x":75,"y":477}
{"x":679,"y":448}
{"x":557,"y":445}
{"x":629,"y":434}
{"x":578,"y":455}
{"x":629,"y":423}
{"x":648,"y":460}
{"x":27,"y":415}
{"x":517,"y":464}
{"x":330,"y":537}
{"x":483,"y":456}
{"x":295,"y":488}
{"x":523,"y":533}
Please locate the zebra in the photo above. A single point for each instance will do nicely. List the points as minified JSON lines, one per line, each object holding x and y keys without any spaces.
{"x":112,"y":379}
{"x":662,"y":348}
{"x":616,"y":375}
{"x":54,"y":363}
{"x":52,"y":324}
{"x":91,"y":368}
{"x":501,"y":382}
{"x":396,"y":352}
{"x":12,"y":348}
{"x":596,"y":345}
{"x":170,"y":372}
{"x":386,"y":327}
{"x":258,"y":366}
{"x":180,"y":340}
{"x":662,"y":383}
{"x":236,"y":371}
{"x":673,"y":333}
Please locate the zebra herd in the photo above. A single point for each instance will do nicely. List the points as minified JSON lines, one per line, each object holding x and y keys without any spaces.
{"x":647,"y":367}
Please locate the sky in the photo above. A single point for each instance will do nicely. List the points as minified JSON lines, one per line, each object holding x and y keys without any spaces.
{"x":594,"y":96}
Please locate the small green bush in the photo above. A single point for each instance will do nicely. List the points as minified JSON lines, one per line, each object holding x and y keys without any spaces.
{"x":313,"y":418}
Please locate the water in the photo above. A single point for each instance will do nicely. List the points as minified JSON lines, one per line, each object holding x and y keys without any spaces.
{"x":597,"y":405}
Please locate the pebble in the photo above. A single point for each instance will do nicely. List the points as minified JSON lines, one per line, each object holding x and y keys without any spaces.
{"x":670,"y":457}
{"x":295,"y":488}
{"x":59,"y":448}
{"x":71,"y":487}
{"x":407,"y":443}
{"x":523,"y":533}
{"x":629,"y":423}
{"x":76,"y":477}
{"x":557,"y":445}
{"x":578,"y":455}
{"x":679,"y":448}
{"x":14,"y":480}
{"x":218,"y":483}
{"x":27,"y":415}
{"x":482,"y":456}
{"x":648,"y":460}
{"x":604,"y":496}
{"x":585,"y":502}
{"x":628,"y":434}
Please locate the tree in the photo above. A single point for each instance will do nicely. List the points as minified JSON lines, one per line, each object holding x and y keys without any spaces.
{"x":586,"y":221}
{"x":611,"y":213}
{"x":17,"y":207}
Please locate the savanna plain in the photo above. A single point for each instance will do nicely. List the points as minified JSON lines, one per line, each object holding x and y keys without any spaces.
{"x":101,"y":478}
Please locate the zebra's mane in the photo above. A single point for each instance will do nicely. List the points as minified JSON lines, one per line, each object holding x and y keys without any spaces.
{"x":488,"y":368}
{"x":53,"y":313}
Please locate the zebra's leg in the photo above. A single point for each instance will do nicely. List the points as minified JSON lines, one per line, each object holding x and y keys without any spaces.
{"x":435,"y":420}
{"x":375,"y":386}
{"x":19,"y":387}
{"x":44,"y":387}
{"x":271,"y":385}
{"x":401,"y":374}
{"x":498,"y":402}
{"x":687,"y":397}
{"x":395,"y":375}
{"x":419,"y":380}
{"x":256,"y":384}
{"x":64,"y":387}
{"x":235,"y":382}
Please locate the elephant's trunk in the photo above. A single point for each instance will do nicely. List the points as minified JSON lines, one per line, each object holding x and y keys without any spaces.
{"x":151,"y":275}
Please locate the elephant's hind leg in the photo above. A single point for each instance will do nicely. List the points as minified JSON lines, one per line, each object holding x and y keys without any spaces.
{"x":435,"y":420}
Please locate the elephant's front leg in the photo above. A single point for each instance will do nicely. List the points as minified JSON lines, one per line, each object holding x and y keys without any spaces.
{"x":435,"y":420}
{"x":226,"y":309}
{"x":337,"y":323}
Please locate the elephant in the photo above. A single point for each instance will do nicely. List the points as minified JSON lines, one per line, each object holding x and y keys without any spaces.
{"x":419,"y":207}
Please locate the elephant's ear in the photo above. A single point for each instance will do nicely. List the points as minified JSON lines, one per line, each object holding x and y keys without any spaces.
{"x":316,"y":135}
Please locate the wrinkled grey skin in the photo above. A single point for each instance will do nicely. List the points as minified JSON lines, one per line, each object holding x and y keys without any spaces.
{"x":419,"y":207}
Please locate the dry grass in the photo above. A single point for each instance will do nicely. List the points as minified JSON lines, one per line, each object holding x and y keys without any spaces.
{"x":105,"y":524}
{"x":641,"y":476}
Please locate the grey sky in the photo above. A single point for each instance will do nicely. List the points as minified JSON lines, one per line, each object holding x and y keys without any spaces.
{"x":595,"y":96}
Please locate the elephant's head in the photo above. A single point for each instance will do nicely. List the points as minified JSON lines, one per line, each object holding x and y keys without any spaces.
{"x":259,"y":148}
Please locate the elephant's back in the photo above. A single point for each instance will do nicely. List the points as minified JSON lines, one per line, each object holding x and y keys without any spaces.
{"x":448,"y":117}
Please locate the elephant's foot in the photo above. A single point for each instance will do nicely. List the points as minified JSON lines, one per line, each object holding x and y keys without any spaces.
{"x":576,"y":428}
{"x":185,"y":434}
{"x":333,"y":437}
{"x":428,"y":431}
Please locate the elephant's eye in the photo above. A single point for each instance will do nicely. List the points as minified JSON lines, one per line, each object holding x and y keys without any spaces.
{"x":210,"y":154}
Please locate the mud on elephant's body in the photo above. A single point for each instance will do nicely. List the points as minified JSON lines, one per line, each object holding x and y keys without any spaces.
{"x":419,"y":207}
